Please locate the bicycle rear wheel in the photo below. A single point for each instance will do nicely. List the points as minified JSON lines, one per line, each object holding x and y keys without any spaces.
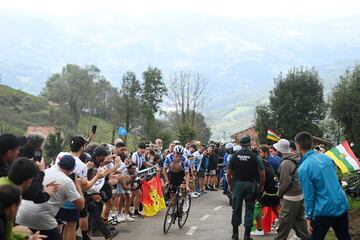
{"x":169,"y":217}
{"x":184,"y":214}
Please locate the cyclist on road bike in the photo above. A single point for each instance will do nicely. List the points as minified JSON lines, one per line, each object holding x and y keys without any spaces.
{"x":229,"y":147}
{"x":176,"y":168}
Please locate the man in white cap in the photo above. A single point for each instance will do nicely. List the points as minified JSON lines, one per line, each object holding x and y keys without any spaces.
{"x":292,"y":206}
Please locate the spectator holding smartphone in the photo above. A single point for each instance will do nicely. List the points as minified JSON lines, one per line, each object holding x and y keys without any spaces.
{"x":9,"y":151}
{"x":36,"y":191}
{"x":41,"y":217}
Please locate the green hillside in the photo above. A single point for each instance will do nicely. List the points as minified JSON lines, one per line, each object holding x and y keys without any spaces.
{"x":18,"y":110}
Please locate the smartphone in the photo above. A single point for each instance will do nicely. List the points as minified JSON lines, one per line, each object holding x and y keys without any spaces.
{"x":93,"y":129}
{"x":37,"y":155}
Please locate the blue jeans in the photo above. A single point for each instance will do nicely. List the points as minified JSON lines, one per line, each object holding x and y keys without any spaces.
{"x":340,"y":225}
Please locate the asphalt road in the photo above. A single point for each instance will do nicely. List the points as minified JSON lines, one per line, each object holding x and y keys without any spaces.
{"x":209,"y":218}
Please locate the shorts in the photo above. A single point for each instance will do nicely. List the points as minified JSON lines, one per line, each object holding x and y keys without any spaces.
{"x":106,"y":192}
{"x":176,"y":178}
{"x":120,"y":190}
{"x":212,"y":172}
{"x":84,"y":212}
{"x":201,"y":173}
{"x":269,"y":201}
{"x":68,"y":215}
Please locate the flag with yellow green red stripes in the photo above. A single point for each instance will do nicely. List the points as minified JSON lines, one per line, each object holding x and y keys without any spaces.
{"x":344,"y":157}
{"x":272,"y":136}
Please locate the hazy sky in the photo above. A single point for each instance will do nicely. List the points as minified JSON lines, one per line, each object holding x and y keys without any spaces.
{"x":300,"y":10}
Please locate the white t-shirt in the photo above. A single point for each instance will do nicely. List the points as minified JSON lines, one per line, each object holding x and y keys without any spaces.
{"x":42,"y":216}
{"x":80,"y":170}
{"x":97,"y":186}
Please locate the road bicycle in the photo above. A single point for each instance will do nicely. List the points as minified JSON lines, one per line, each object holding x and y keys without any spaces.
{"x":178,"y":209}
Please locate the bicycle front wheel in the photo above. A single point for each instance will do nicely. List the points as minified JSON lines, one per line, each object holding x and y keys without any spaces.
{"x":169,"y":218}
{"x":184,"y":210}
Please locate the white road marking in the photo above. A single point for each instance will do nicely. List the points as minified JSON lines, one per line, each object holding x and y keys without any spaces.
{"x":217,"y":208}
{"x":191,"y":231}
{"x":205,"y":217}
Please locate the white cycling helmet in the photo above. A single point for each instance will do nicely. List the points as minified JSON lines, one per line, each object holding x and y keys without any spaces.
{"x":229,"y":146}
{"x":178,"y":149}
{"x":237,"y":148}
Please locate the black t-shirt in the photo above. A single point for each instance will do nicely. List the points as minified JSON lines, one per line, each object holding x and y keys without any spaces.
{"x":213,"y":161}
{"x":270,"y":183}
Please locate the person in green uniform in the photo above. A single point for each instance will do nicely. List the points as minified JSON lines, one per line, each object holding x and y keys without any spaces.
{"x":246,"y":177}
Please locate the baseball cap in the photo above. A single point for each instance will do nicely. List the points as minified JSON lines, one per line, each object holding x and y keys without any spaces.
{"x":77,"y":142}
{"x":101,"y":151}
{"x":245,"y":140}
{"x":85,"y":157}
{"x":9,"y":141}
{"x":67,"y":162}
{"x":282,"y":146}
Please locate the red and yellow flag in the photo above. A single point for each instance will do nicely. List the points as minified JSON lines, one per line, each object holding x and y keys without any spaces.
{"x":152,"y":197}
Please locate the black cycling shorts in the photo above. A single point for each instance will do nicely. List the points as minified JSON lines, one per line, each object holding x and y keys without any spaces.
{"x":176,"y":178}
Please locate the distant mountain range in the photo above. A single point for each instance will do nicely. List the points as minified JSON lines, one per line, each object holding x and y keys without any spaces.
{"x":240,"y":58}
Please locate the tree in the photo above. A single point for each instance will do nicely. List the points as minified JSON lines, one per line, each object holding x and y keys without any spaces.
{"x":106,"y":99}
{"x":72,"y":87}
{"x":165,"y":131}
{"x":345,"y":107}
{"x":186,"y":133}
{"x":152,"y":95}
{"x":130,"y":98}
{"x":332,"y":129}
{"x":200,"y":131}
{"x":187,"y":93}
{"x":263,"y":122}
{"x":53,"y":146}
{"x":297,"y":102}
